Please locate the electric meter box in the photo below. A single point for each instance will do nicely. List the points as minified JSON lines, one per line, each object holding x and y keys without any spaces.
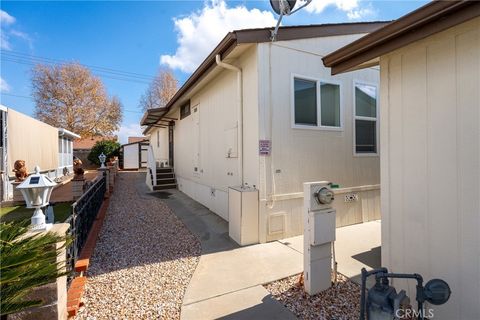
{"x":243,"y":215}
{"x":319,"y":195}
{"x":322,"y":226}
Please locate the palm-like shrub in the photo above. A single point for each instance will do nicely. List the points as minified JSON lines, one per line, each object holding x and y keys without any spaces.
{"x":26,"y":263}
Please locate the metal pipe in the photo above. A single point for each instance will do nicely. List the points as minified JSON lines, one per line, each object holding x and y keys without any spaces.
{"x":238,"y":70}
{"x":365,"y":275}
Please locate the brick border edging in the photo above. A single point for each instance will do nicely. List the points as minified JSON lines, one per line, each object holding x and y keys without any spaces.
{"x":77,"y":287}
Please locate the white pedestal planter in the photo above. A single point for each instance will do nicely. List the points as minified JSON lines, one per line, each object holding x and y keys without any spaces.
{"x":17,"y":194}
{"x":77,"y":188}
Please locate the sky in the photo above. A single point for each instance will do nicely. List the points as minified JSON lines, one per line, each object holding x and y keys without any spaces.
{"x":126,"y":42}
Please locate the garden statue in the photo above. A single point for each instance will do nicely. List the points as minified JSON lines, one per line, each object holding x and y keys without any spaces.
{"x":65,"y":171}
{"x":77,"y":169}
{"x":20,"y":170}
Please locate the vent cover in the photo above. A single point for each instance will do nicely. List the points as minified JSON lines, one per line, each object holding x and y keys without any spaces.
{"x":276,"y":223}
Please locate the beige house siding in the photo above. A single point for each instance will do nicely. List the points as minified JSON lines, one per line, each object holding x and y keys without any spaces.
{"x":31,"y":140}
{"x":216,"y":131}
{"x":430,"y":174}
{"x":301,"y":155}
{"x":203,"y":138}
{"x":158,"y":138}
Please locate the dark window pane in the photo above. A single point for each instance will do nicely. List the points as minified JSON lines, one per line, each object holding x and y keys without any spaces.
{"x":365,"y":136}
{"x":305,"y":102}
{"x":330,"y":104}
{"x":365,"y":101}
{"x":185,"y":110}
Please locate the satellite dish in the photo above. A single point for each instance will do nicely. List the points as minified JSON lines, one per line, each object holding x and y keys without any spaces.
{"x":283,"y":7}
{"x":437,"y":291}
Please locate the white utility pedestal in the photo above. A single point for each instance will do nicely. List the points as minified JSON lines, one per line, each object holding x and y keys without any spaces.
{"x":319,"y":233}
{"x":243,"y":215}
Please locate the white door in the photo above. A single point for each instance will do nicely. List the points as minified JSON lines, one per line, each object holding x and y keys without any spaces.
{"x":130,"y":156}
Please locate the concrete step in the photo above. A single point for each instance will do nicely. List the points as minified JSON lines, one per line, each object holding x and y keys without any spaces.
{"x":165,"y":186}
{"x":165,"y":176}
{"x":164,"y":170}
{"x":166,"y":181}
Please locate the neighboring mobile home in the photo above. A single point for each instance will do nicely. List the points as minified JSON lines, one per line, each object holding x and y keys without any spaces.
{"x":430,"y":140}
{"x":25,"y":138}
{"x":268,"y":115}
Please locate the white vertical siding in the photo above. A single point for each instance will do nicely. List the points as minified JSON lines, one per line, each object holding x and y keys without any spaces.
{"x":33,"y":141}
{"x":205,"y":145}
{"x":159,"y":142}
{"x":301,"y":155}
{"x":430,"y":179}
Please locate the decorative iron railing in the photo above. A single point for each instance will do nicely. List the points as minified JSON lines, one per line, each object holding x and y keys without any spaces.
{"x":84,"y":213}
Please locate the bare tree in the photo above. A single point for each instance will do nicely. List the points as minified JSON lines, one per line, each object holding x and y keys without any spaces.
{"x":68,"y":96}
{"x":160,"y":91}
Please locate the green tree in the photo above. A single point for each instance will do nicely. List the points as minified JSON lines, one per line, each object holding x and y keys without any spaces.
{"x":109,"y":148}
{"x":26,"y":263}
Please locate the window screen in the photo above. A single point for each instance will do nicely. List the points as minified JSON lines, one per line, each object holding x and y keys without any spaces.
{"x":330,"y":104}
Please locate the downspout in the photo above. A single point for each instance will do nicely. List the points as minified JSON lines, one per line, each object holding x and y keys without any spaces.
{"x":238,"y":70}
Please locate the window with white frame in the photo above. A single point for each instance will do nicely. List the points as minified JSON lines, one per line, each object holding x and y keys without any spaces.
{"x":330,"y":105}
{"x":365,"y":119}
{"x":316,"y":104}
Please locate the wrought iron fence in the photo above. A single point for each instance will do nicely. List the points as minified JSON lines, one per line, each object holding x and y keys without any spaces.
{"x":84,"y":212}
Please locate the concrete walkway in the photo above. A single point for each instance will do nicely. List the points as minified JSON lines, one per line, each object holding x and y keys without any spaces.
{"x":357,"y":246}
{"x":227,"y":283}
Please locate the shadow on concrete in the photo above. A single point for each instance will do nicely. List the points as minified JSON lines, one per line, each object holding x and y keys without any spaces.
{"x":211,"y":230}
{"x":269,"y":309}
{"x":372,"y":258}
{"x":161,"y":194}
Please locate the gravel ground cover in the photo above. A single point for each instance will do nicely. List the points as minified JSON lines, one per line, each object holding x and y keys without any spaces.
{"x":143,"y":260}
{"x":340,"y":302}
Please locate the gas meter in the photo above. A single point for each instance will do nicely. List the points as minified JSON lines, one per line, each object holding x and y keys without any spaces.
{"x":382,"y":301}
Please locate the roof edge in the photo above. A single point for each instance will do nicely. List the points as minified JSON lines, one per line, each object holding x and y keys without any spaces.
{"x":416,"y":25}
{"x":246,"y":36}
{"x":65,"y":132}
